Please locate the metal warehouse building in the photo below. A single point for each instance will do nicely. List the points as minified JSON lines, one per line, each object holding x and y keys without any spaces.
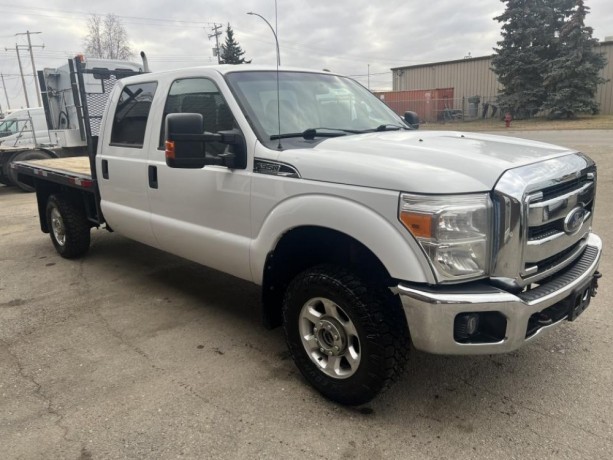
{"x":466,"y":88}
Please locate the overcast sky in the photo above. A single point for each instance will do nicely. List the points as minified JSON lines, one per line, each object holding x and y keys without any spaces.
{"x":353,"y":37}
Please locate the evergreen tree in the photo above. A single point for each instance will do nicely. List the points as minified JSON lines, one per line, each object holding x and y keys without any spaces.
{"x":231,"y":52}
{"x":572,"y":77}
{"x":528,"y":36}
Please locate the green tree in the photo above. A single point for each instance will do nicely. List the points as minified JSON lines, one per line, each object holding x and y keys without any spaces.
{"x":231,"y":52}
{"x":572,"y":77}
{"x":528,"y":37}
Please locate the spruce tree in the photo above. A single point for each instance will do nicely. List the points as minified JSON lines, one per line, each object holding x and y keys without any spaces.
{"x":528,"y":35}
{"x":231,"y":52}
{"x":572,"y":77}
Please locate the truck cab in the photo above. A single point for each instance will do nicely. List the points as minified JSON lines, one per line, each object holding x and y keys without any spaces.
{"x":24,"y":127}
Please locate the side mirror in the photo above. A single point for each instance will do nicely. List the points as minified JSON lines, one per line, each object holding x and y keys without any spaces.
{"x":185,"y":144}
{"x":184,"y":147}
{"x":412,"y":119}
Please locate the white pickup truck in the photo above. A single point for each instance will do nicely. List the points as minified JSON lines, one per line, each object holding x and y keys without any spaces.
{"x":364,"y":233}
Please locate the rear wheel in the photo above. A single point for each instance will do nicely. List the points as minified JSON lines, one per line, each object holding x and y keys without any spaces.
{"x":24,"y":156}
{"x":68,"y":227}
{"x":349,"y":341}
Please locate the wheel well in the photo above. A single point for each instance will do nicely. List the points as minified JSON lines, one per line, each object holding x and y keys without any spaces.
{"x":304,"y":247}
{"x":45,"y":189}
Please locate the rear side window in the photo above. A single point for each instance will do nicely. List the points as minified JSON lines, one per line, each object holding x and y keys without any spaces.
{"x":131,"y":115}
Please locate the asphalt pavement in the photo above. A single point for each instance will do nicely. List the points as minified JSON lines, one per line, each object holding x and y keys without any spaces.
{"x":134,"y":353}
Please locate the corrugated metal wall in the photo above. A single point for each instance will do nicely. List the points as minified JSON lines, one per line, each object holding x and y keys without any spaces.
{"x":604,"y":96}
{"x":473,"y":77}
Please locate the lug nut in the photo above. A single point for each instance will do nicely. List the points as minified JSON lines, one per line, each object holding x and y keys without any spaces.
{"x":336,"y":337}
{"x":321,"y":349}
{"x":335,"y":348}
{"x":328,"y":327}
{"x":314,"y":329}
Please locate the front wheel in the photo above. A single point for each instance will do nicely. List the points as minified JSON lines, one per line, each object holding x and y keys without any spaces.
{"x":68,"y":227}
{"x":349,"y":341}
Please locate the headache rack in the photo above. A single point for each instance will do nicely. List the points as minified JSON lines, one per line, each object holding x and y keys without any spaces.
{"x":75,"y":96}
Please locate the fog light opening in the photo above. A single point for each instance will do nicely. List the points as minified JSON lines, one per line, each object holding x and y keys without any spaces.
{"x":480,"y":327}
{"x":466,"y":325}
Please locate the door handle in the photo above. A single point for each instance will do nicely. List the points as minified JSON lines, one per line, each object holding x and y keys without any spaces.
{"x":153,"y":176}
{"x":105,"y":169}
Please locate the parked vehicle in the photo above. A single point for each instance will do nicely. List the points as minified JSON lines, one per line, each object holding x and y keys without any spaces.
{"x":363,"y":233}
{"x":72,"y":93}
{"x":24,"y":127}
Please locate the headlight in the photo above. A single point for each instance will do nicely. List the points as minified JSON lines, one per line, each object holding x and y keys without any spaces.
{"x":453,"y":230}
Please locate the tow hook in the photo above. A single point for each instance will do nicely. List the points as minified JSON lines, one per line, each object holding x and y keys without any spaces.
{"x":594,"y":289}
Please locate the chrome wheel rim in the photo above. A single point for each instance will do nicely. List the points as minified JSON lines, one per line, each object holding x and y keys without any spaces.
{"x":329,"y":337}
{"x":57,"y":226}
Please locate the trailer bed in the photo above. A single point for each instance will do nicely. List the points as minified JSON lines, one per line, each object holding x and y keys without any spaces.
{"x":72,"y":171}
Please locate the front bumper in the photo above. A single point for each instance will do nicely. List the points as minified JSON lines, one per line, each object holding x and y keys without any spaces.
{"x":431,"y":313}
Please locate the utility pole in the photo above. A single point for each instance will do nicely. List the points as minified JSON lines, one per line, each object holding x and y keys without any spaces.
{"x":28,"y":33}
{"x":216,"y":33}
{"x":5,"y":93}
{"x":23,"y":80}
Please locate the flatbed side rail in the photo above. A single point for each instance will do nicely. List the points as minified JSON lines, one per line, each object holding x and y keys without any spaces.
{"x":57,"y":176}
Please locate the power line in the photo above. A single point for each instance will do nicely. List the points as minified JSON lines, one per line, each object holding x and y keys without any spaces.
{"x":163,"y":21}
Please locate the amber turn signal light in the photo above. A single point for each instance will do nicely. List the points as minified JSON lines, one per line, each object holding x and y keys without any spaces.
{"x":170,"y":149}
{"x":420,"y":225}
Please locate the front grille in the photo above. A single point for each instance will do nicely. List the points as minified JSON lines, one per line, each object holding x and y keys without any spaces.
{"x":557,"y":259}
{"x":543,"y":213}
{"x":561,"y":189}
{"x":548,"y":243}
{"x":544,"y":231}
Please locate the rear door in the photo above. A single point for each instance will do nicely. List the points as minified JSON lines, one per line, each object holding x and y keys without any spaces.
{"x":201,"y":214}
{"x":121,"y":163}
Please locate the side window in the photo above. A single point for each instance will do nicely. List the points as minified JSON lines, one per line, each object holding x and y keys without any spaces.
{"x":199,"y":95}
{"x":131,"y":115}
{"x":8,"y":126}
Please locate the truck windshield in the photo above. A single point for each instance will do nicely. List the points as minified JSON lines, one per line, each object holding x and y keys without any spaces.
{"x":312,"y":105}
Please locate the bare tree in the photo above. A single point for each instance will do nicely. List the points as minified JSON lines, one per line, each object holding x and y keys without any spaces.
{"x":107,"y":38}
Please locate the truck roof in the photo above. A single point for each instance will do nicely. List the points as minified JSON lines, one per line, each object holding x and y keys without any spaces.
{"x":224,"y":69}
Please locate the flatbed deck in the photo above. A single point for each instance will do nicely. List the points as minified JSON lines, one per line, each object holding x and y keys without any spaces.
{"x":73,"y":171}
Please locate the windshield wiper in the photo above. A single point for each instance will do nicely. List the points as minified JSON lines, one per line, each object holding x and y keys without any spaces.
{"x":389,"y":127}
{"x":312,"y":133}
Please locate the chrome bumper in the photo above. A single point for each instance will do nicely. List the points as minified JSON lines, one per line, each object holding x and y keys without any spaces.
{"x":431,"y":313}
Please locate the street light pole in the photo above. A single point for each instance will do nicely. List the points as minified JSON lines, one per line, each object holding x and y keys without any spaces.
{"x":273,"y":32}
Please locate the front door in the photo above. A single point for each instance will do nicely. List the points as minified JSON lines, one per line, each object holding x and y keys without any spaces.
{"x":201,"y":214}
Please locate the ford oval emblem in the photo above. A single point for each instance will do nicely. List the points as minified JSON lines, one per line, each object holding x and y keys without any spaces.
{"x":574,"y":220}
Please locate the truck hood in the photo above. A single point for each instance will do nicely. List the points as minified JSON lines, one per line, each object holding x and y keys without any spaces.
{"x":418,"y":161}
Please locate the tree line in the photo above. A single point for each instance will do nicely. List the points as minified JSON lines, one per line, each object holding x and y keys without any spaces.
{"x":107,"y":38}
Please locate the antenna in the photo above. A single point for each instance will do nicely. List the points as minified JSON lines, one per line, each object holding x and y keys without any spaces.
{"x":279,"y":146}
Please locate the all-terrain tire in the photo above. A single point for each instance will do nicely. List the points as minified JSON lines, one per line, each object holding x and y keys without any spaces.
{"x":68,"y":226}
{"x":374,"y":320}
